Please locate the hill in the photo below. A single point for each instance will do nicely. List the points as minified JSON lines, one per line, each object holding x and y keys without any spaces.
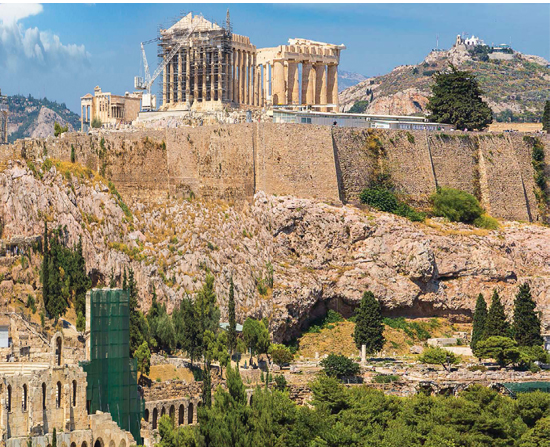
{"x":515,"y":85}
{"x":32,"y":117}
{"x":348,"y":79}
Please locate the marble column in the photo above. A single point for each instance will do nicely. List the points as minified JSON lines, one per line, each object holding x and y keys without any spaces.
{"x":164,"y":85}
{"x":252,"y":83}
{"x":188,"y":75}
{"x":196,"y":75}
{"x":213,"y":80}
{"x":320,"y":84}
{"x":171,"y":65}
{"x":221,"y":68}
{"x":180,"y":77}
{"x":308,"y":83}
{"x":278,"y":83}
{"x":236,"y":80}
{"x":204,"y":75}
{"x":244,"y":90}
{"x":293,"y":83}
{"x":261,"y":85}
{"x":332,"y":86}
{"x":257,"y":77}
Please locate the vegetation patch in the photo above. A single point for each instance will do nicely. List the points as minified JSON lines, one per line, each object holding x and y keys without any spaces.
{"x":385,"y":199}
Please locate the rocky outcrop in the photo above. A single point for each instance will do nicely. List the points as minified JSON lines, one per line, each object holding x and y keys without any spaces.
{"x":44,"y":124}
{"x":322,"y":256}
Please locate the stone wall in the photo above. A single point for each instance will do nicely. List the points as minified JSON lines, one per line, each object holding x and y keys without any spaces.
{"x":232,"y":162}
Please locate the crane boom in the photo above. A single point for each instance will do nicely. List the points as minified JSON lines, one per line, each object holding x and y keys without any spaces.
{"x":145,"y":64}
{"x":168,"y":58}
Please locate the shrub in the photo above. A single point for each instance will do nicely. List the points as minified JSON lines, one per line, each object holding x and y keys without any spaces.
{"x":487,"y":222}
{"x":280,"y":382}
{"x":383,"y":378}
{"x":456,"y":205}
{"x":96,"y":123}
{"x":384,"y":199}
{"x":439,"y":356}
{"x":339,"y":366}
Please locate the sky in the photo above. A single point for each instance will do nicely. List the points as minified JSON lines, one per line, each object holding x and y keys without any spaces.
{"x":62,"y":51}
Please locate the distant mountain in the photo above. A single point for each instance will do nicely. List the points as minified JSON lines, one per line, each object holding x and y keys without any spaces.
{"x":515,"y":85}
{"x":31,"y":117}
{"x":348,"y":79}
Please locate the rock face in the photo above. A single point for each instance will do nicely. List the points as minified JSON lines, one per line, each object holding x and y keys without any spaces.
{"x":44,"y":124}
{"x":322,"y":256}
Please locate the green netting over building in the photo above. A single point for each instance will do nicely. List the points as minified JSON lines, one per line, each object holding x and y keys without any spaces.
{"x":111,"y":373}
{"x":527,"y":387}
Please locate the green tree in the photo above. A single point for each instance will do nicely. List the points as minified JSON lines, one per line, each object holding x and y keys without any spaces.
{"x":96,"y":123}
{"x":369,"y":330}
{"x":73,"y":154}
{"x":329,"y":392}
{"x":502,"y":349}
{"x":58,"y":129}
{"x":80,"y":281}
{"x":232,"y":329}
{"x":480,"y":315}
{"x":45,"y":272}
{"x":188,"y":335}
{"x":526,"y":323}
{"x":456,"y":99}
{"x":143,"y":357}
{"x":54,"y":438}
{"x":496,"y":324}
{"x":80,"y":322}
{"x":165,"y":334}
{"x":280,"y":354}
{"x":256,"y":336}
{"x":546,"y":117}
{"x":339,"y":366}
{"x":538,"y":436}
{"x":139,"y":328}
{"x":439,"y":356}
{"x":456,"y":205}
{"x":207,"y":311}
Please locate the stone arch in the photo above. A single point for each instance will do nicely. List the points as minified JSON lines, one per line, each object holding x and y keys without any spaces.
{"x":181,"y":415}
{"x":43,"y":395}
{"x":162,"y":412}
{"x":84,"y":444}
{"x":155,"y":416}
{"x":8,"y":404}
{"x":146,"y":415}
{"x":190,"y":413}
{"x":58,"y":395}
{"x":73,"y":444}
{"x":122,"y":443}
{"x":57,"y":349}
{"x":74,"y":393}
{"x":112,"y":443}
{"x":99,"y":443}
{"x":172,"y":414}
{"x":25,"y":397}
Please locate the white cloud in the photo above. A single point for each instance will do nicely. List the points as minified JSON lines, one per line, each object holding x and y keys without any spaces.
{"x":29,"y":50}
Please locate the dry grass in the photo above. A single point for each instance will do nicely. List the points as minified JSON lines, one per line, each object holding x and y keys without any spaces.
{"x":520,"y":127}
{"x":170,"y":372}
{"x":452,"y":230}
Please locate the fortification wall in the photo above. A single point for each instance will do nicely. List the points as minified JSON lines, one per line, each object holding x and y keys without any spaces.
{"x":232,"y":162}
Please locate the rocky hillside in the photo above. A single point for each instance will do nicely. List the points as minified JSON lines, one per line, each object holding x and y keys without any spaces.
{"x":31,"y":117}
{"x":321,"y":256}
{"x":517,"y":87}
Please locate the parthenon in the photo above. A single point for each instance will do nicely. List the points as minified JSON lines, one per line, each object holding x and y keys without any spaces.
{"x":209,"y":67}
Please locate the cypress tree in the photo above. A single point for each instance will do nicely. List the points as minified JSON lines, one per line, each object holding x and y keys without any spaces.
{"x":526,"y":325}
{"x":546,"y":117}
{"x":369,"y":329}
{"x":45,"y":266}
{"x":496,"y":324}
{"x":232,"y":330}
{"x":480,"y":317}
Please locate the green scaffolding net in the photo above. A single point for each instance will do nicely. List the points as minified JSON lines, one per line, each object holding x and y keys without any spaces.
{"x":111,"y":374}
{"x":527,"y":387}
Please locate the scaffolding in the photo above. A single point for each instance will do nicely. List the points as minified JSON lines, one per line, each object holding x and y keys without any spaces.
{"x":111,"y":374}
{"x":3,"y":119}
{"x":199,"y":69}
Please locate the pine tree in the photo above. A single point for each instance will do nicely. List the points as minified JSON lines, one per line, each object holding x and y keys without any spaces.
{"x":526,"y":325}
{"x":112,"y":279}
{"x":80,"y":281}
{"x":232,"y":330}
{"x":480,"y":317}
{"x":456,"y":99}
{"x":369,"y":330}
{"x":45,"y":266}
{"x":496,"y":324}
{"x":206,"y":385}
{"x":546,"y":117}
{"x":54,"y":438}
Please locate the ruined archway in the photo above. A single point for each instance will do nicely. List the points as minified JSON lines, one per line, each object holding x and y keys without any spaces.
{"x":155,"y":416}
{"x":190,"y":413}
{"x":99,"y":443}
{"x":181,"y":415}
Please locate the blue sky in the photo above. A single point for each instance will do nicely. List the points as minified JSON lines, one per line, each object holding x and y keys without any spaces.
{"x":62,"y":51}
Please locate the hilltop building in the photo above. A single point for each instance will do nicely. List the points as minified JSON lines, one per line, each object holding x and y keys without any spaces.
{"x":110,"y":109}
{"x":208,"y":67}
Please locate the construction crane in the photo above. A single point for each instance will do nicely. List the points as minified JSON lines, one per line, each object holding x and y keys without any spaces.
{"x":148,"y":101}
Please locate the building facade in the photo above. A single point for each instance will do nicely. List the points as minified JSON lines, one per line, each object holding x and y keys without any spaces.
{"x":209,"y":67}
{"x":110,"y":109}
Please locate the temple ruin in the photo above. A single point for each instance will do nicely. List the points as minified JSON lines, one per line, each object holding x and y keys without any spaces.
{"x":206,"y":66}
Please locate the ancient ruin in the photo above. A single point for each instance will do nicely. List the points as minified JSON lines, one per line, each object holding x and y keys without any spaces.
{"x":206,"y":66}
{"x":109,"y":109}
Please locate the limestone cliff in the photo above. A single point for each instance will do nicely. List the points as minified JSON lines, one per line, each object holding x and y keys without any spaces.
{"x":323,"y":256}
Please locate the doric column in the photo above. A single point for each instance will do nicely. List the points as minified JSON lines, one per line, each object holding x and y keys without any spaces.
{"x":236,"y":69}
{"x":320,"y":84}
{"x":204,"y":75}
{"x":180,"y":77}
{"x":261,"y":85}
{"x":257,"y":78}
{"x":188,"y":75}
{"x":221,"y":68}
{"x":308,"y":83}
{"x":252,"y":83}
{"x":267,"y":78}
{"x":332,"y":85}
{"x":278,"y":83}
{"x":196,"y":75}
{"x":164,"y":86}
{"x":171,"y":64}
{"x":293,"y":84}
{"x":244,"y":90}
{"x":213,"y":69}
